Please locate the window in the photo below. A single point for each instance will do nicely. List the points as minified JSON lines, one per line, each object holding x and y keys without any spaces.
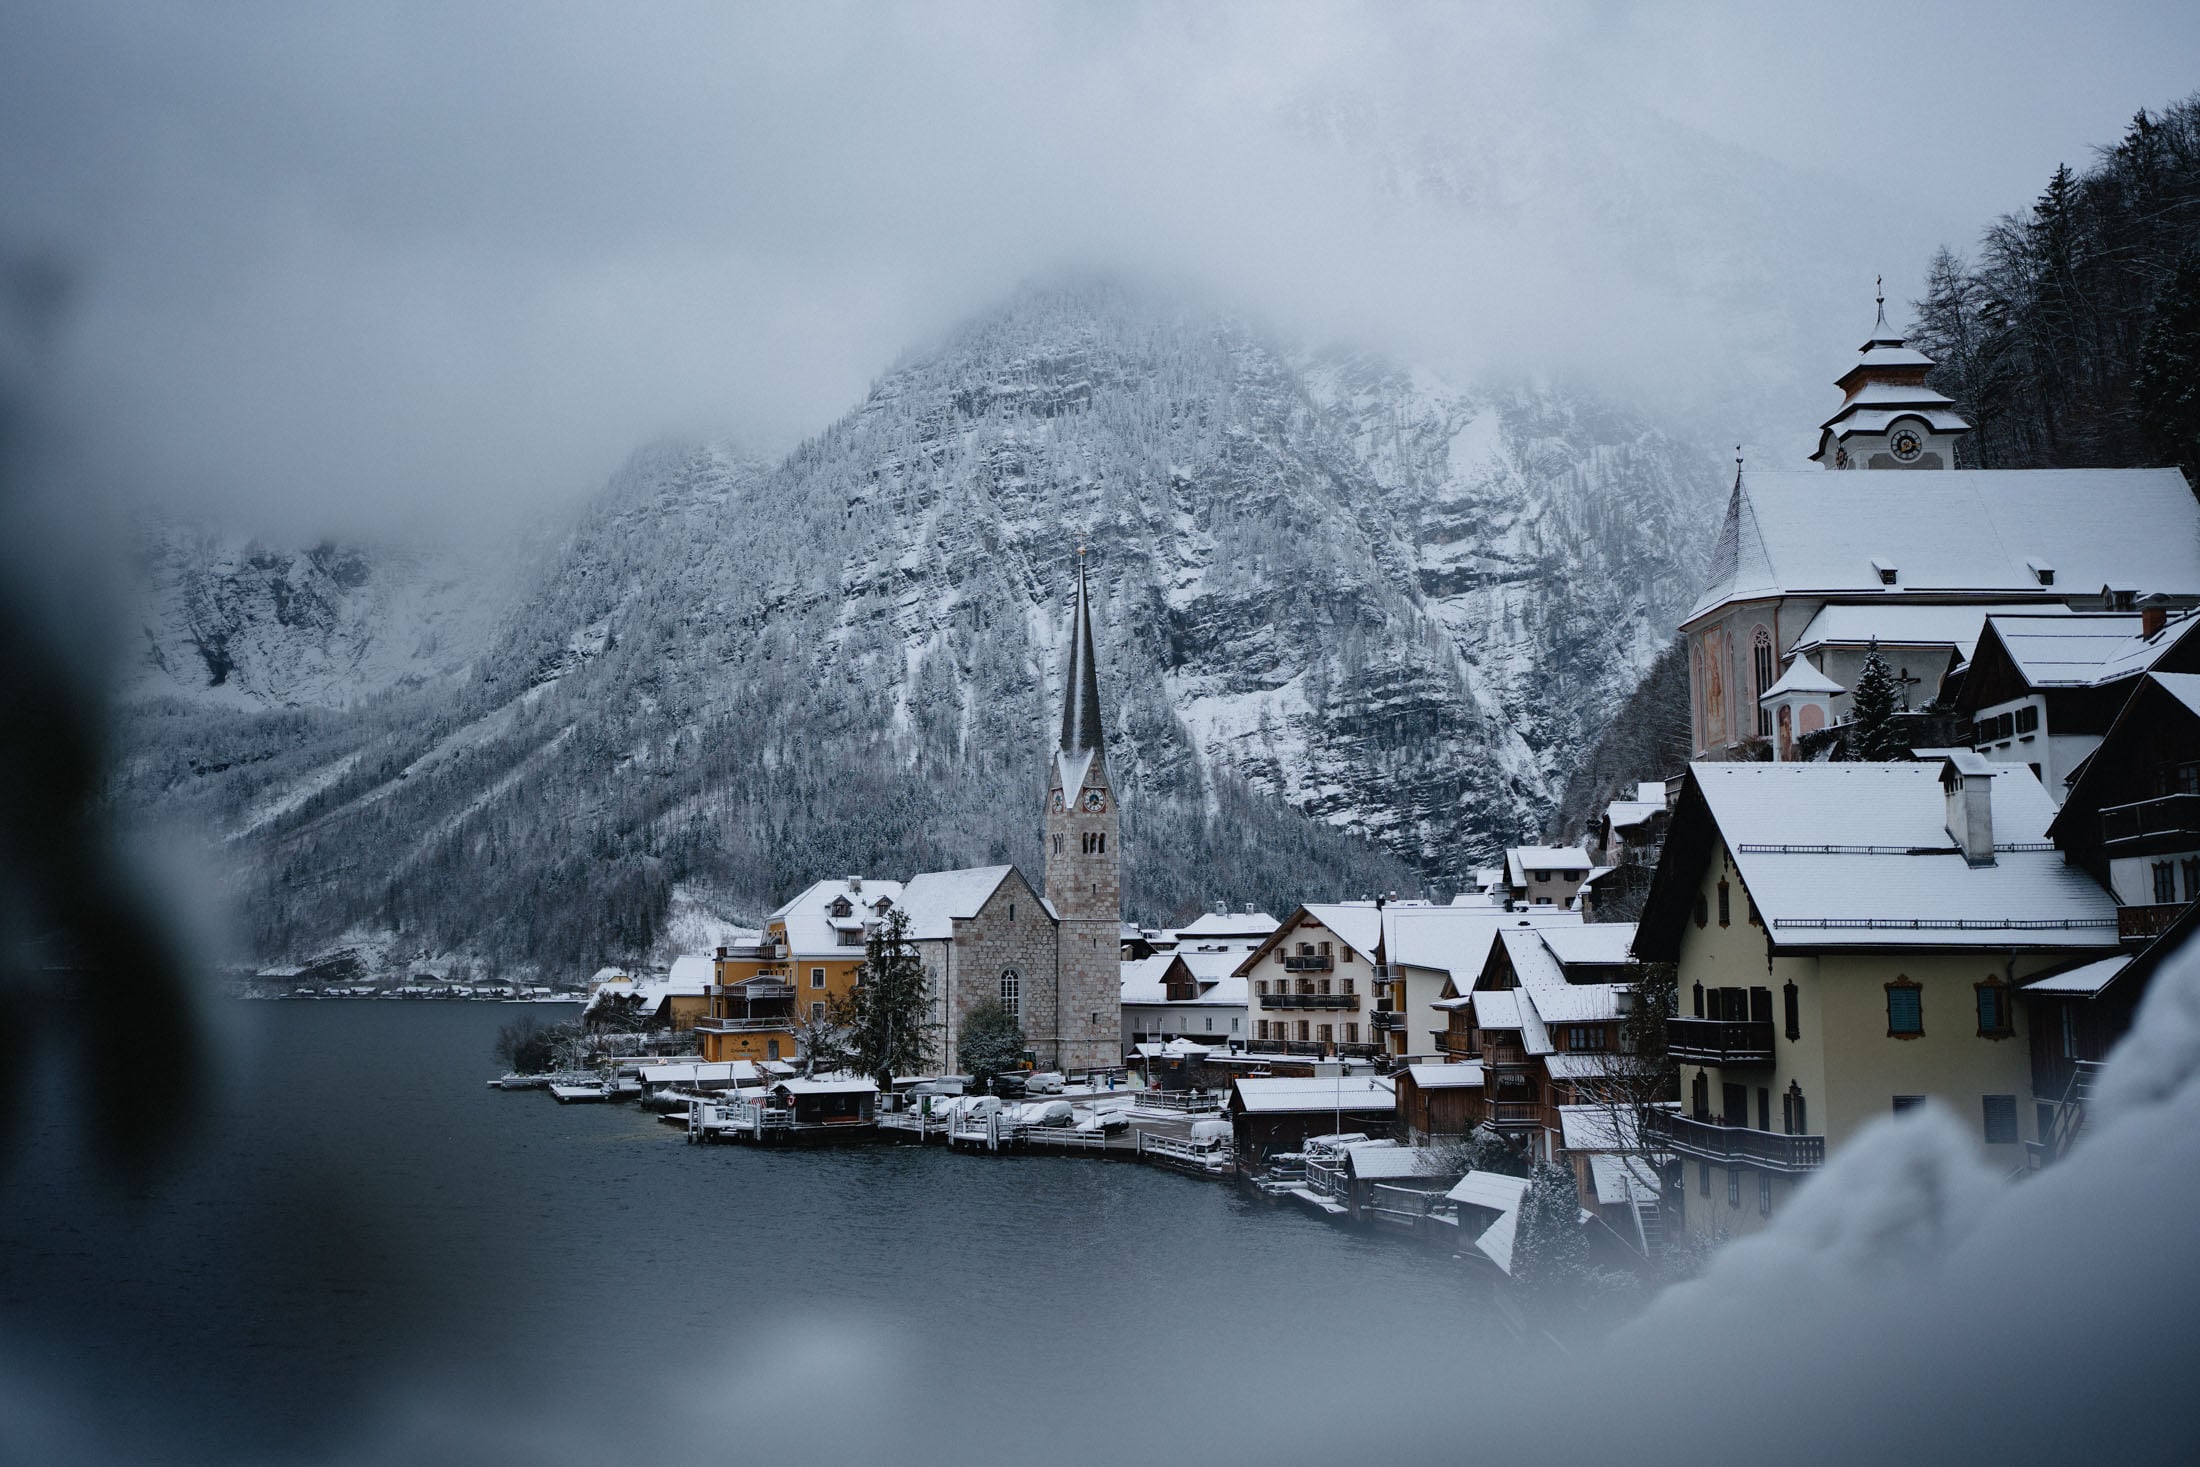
{"x":1260,"y":987}
{"x":1764,"y":1109}
{"x":2001,"y":1119}
{"x":1764,"y":1194}
{"x":1792,"y":1001}
{"x":2165,"y":882}
{"x":1907,"y":1102}
{"x":1012,"y":991}
{"x":1322,"y":988}
{"x":1699,"y":1095}
{"x":817,"y":977}
{"x":1584,"y":1038}
{"x":771,"y":1049}
{"x":1761,"y":655}
{"x":1011,"y":911}
{"x":1794,"y":1115}
{"x":2028,"y":719}
{"x":1233,"y":1026}
{"x":1260,"y":1029}
{"x":1324,"y":1034}
{"x":1993,"y":1009}
{"x":1304,"y":1033}
{"x":1207,"y":1021}
{"x":1733,"y":1186}
{"x":1698,"y":992}
{"x":1905,"y":1009}
{"x":1057,"y":845}
{"x":1352,"y":1034}
{"x":1726,"y":904}
{"x":1703,"y":910}
{"x":1703,"y":1179}
{"x":817,"y":1011}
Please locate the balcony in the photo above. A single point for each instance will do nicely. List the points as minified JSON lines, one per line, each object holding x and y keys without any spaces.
{"x":1308,"y":1001}
{"x":2168,"y":823}
{"x":1309,"y":963}
{"x":1459,"y":1046}
{"x":768,"y":1024}
{"x":1737,"y":1145}
{"x":1516,"y":1112}
{"x":1387,"y":1019}
{"x":1720,"y":1041}
{"x":755,"y":988}
{"x":2138,"y":926}
{"x":1308,"y":1048}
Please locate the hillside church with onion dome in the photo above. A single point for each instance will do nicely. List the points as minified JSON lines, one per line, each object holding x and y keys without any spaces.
{"x":1052,"y":958}
{"x":1908,"y":552}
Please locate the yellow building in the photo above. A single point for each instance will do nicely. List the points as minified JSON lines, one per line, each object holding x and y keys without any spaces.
{"x":808,"y":958}
{"x":1849,"y":940}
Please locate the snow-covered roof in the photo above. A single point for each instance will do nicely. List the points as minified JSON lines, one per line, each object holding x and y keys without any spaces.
{"x":1497,"y":1008}
{"x":1504,"y":1195}
{"x":1956,"y":531}
{"x":1314,"y":1093}
{"x":1544,"y":858}
{"x":808,"y":917}
{"x":2069,"y":651}
{"x":1456,"y":940}
{"x":936,"y":900}
{"x":1142,"y":979}
{"x":1227,"y":924}
{"x":1801,"y":677}
{"x":2083,"y":981}
{"x":1576,"y":1065}
{"x":2183,"y":686}
{"x":839,"y":1085}
{"x":690,"y":977}
{"x":1145,"y":980}
{"x":1859,"y":855}
{"x":1463,"y":1076}
{"x":1617,"y":1179}
{"x":1625,"y":814}
{"x":1379,"y":1161}
{"x":1172,"y":1049}
{"x":1596,"y":1128}
{"x":1577,"y":1003}
{"x":738,"y":1072}
{"x":1591,"y":944}
{"x":1910,"y":624}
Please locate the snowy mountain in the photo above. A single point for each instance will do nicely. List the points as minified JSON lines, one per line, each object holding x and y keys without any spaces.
{"x":1358,"y":625}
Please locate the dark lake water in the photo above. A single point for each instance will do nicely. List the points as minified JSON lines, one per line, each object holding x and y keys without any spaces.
{"x":366,"y":1255}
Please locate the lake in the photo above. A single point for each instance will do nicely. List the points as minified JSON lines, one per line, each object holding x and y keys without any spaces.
{"x":367,"y":1255}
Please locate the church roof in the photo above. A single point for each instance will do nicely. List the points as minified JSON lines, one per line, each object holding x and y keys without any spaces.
{"x":1952,"y":534}
{"x":936,"y":900}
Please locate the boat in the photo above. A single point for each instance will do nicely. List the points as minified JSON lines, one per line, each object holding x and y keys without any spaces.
{"x":577,"y":1092}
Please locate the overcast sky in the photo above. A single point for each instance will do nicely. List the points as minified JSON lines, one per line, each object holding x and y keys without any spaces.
{"x":356,"y":267}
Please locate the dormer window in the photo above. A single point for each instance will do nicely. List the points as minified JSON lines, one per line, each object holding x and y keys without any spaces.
{"x":882,"y":905}
{"x":1888,"y":574}
{"x":842,"y":907}
{"x":2041,"y":571}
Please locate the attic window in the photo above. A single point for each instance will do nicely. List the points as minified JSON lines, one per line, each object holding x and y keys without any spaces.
{"x":1886,"y":569}
{"x":2042,"y":572}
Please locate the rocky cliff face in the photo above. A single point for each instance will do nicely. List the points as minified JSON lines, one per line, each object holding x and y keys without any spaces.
{"x":1357,"y":626}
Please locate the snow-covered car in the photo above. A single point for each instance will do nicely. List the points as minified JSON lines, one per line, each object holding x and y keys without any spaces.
{"x":1045,"y":1113}
{"x":1104,"y":1121}
{"x":1044,"y":1082}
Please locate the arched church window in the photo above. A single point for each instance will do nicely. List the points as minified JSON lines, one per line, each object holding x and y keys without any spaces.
{"x":1012,"y":991}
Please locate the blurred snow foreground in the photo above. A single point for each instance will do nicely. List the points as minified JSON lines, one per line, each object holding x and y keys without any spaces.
{"x":1915,"y":1300}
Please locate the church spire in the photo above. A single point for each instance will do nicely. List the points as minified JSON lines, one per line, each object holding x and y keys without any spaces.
{"x":1081,"y":678}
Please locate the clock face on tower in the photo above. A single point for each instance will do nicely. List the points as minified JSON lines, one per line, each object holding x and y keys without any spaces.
{"x":1906,"y":444}
{"x":1057,"y":799}
{"x":1095,"y":801}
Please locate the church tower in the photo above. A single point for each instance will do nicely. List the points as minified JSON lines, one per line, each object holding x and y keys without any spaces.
{"x":1084,"y":855}
{"x":1889,"y":418}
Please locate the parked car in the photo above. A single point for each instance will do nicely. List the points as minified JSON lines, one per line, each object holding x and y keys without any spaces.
{"x":1009,"y":1087}
{"x":1044,"y":1082}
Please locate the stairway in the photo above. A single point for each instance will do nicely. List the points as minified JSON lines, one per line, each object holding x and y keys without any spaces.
{"x":2069,"y":1118}
{"x":1650,"y":1226}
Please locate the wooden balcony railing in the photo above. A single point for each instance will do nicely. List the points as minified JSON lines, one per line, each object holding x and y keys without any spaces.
{"x":1387,"y":1019}
{"x":2141,"y":925}
{"x":2174,"y":818}
{"x":1458,"y":1046}
{"x":1737,"y":1145}
{"x":1309,"y":1001}
{"x":1308,"y":963}
{"x":1720,"y":1041}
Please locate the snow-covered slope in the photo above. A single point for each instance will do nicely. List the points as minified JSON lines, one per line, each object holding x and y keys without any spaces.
{"x":230,"y":621}
{"x":1337,"y":599}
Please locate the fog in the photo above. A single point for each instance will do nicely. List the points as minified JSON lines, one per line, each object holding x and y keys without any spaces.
{"x":433,"y":267}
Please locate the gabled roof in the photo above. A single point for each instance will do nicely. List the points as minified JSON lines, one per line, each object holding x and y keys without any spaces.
{"x":1227,"y":924}
{"x":808,"y":920}
{"x":1465,"y":1075}
{"x":1376,"y":1161}
{"x":1801,"y":677}
{"x":1910,"y":624}
{"x":1859,"y":856}
{"x":1953,"y":532}
{"x":2162,"y":706}
{"x":1313,"y":1093}
{"x":937,"y":900}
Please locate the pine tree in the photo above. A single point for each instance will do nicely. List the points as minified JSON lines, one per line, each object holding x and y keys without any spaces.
{"x":1873,"y":736}
{"x":2166,"y":390}
{"x":889,"y":1034}
{"x":991,"y":1042}
{"x":1549,"y":1249}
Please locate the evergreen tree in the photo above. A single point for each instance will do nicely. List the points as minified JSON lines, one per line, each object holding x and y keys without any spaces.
{"x":2166,"y":390}
{"x":1873,"y":736}
{"x":1550,"y":1251}
{"x":991,"y":1042}
{"x":889,"y":1029}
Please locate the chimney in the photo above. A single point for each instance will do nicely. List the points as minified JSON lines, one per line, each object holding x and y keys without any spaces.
{"x":2152,"y":618}
{"x":1967,"y":780}
{"x":855,"y":883}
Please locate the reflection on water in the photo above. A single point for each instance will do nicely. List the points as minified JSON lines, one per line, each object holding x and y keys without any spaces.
{"x":371,"y":1252}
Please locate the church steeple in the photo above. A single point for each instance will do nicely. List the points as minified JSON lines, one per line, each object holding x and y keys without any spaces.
{"x":1889,"y":418}
{"x":1081,"y":678}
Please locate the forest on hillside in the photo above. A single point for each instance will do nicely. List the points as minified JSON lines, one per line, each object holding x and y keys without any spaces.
{"x":2071,"y":336}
